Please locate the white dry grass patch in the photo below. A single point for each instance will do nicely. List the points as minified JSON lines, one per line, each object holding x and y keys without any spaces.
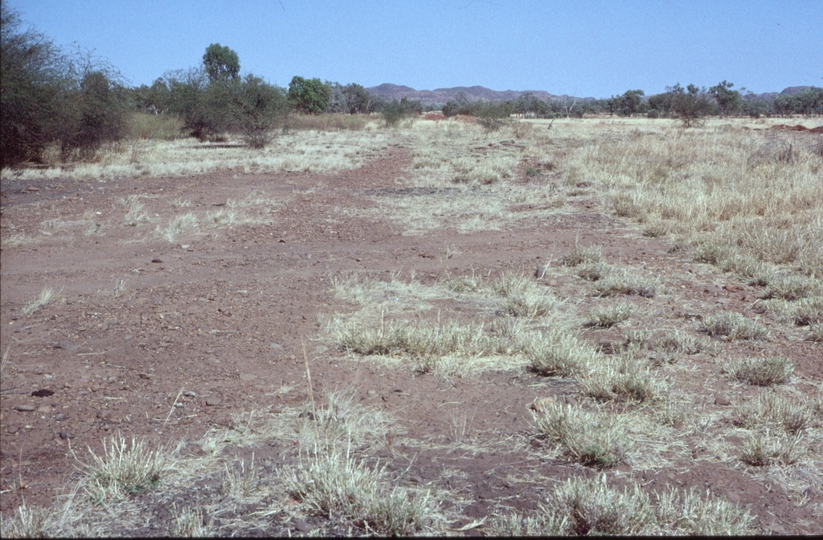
{"x":583,"y":507}
{"x":136,"y":211}
{"x":733,"y":325}
{"x":126,"y":469}
{"x":764,"y":449}
{"x":298,"y":151}
{"x":558,"y":353}
{"x":623,"y":378}
{"x":774,"y":409}
{"x":43,"y":299}
{"x":335,"y":485}
{"x":803,"y":312}
{"x":626,"y":282}
{"x":16,"y":240}
{"x":522,"y":297}
{"x":766,"y":371}
{"x":595,"y":439}
{"x":610,"y":315}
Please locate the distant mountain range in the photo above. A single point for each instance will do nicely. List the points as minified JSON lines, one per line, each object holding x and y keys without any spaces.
{"x":441,"y":96}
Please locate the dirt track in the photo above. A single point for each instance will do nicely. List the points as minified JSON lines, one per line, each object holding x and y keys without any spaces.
{"x":225,"y":316}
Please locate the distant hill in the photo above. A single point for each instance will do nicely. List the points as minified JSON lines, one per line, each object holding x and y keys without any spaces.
{"x":441,"y":96}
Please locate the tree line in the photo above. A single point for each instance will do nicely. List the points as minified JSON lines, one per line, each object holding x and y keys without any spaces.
{"x":78,"y":102}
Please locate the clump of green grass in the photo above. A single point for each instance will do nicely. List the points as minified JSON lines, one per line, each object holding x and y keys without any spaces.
{"x":765,"y":449}
{"x":773,"y":409}
{"x":734,"y":326}
{"x":582,"y":255}
{"x":624,"y":378}
{"x":558,"y":353}
{"x":625,"y":282}
{"x":608,"y":316}
{"x":761,"y":371}
{"x":594,"y":439}
{"x":335,"y":485}
{"x":125,"y":469}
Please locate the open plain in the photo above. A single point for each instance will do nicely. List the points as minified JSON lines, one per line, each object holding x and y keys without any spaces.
{"x":599,"y":325}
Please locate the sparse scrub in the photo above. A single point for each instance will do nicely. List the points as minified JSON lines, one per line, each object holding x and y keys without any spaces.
{"x":177,"y":226}
{"x":681,"y":342}
{"x":593,"y":271}
{"x":733,"y":325}
{"x":791,"y":288}
{"x":595,"y":439}
{"x":608,"y":316}
{"x":761,"y":371}
{"x":816,"y":333}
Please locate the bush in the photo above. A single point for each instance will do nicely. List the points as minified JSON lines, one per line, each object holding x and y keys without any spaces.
{"x":395,"y":111}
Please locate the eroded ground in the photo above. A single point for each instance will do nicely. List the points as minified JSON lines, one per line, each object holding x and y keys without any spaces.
{"x":170,"y":338}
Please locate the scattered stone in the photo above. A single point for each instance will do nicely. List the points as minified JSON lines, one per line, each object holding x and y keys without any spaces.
{"x":414,"y":479}
{"x":102,"y":415}
{"x":189,"y":393}
{"x":732,"y":497}
{"x":64,"y":435}
{"x":536,"y":443}
{"x":12,"y":430}
{"x":25,"y":408}
{"x":372,"y":392}
{"x":156,"y":261}
{"x":32,"y":188}
{"x":247,"y":377}
{"x":42,"y":393}
{"x":60,"y":417}
{"x":146,"y":376}
{"x":66,"y":345}
{"x":44,"y":409}
{"x":540,"y":271}
{"x":212,"y":361}
{"x":213,"y":401}
{"x":275,"y":346}
{"x":301,"y":525}
{"x":722,"y":400}
{"x":397,"y":390}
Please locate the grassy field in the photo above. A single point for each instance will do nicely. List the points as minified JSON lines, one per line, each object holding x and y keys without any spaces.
{"x":739,"y":201}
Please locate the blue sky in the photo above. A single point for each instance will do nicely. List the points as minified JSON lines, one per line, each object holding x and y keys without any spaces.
{"x":581,"y":48}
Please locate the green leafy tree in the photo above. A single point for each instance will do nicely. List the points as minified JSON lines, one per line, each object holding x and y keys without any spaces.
{"x":310,"y":96}
{"x":728,"y":101}
{"x":690,"y":105}
{"x":32,"y":71}
{"x":630,"y":102}
{"x":221,"y":63}
{"x":257,"y":108}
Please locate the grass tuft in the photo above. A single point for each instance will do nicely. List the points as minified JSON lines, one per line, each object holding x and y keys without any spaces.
{"x":594,"y":439}
{"x":608,"y":316}
{"x":625,"y":282}
{"x":734,"y":326}
{"x":765,"y":449}
{"x":761,"y":371}
{"x":42,"y":300}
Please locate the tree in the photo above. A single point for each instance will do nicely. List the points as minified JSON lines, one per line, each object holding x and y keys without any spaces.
{"x":629,"y":102}
{"x":358,"y":98}
{"x":221,"y":63}
{"x":32,"y":71}
{"x":691,"y":105}
{"x":311,"y":96}
{"x":257,"y":107}
{"x":728,"y":100}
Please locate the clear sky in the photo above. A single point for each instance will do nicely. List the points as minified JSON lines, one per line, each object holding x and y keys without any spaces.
{"x":594,"y":48}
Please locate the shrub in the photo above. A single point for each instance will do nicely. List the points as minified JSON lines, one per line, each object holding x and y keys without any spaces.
{"x":761,"y":371}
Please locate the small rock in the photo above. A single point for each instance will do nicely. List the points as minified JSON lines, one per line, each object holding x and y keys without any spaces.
{"x":414,"y":479}
{"x":397,"y":390}
{"x":536,"y":443}
{"x":570,"y":400}
{"x":60,"y":417}
{"x":145,"y":375}
{"x":247,"y":377}
{"x":275,"y":346}
{"x":301,"y":525}
{"x":64,"y":435}
{"x":32,"y":188}
{"x":25,"y":408}
{"x":212,"y":361}
{"x":65,"y":345}
{"x":777,"y":528}
{"x":42,"y":393}
{"x":44,"y":409}
{"x":156,"y":261}
{"x":213,"y":401}
{"x":189,"y":393}
{"x":722,"y":400}
{"x":372,"y":392}
{"x":102,"y":415}
{"x":732,"y":497}
{"x":12,"y":430}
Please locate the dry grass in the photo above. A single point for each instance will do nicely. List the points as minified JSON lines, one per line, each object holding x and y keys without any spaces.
{"x":733,"y":325}
{"x":42,"y":300}
{"x":761,"y":371}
